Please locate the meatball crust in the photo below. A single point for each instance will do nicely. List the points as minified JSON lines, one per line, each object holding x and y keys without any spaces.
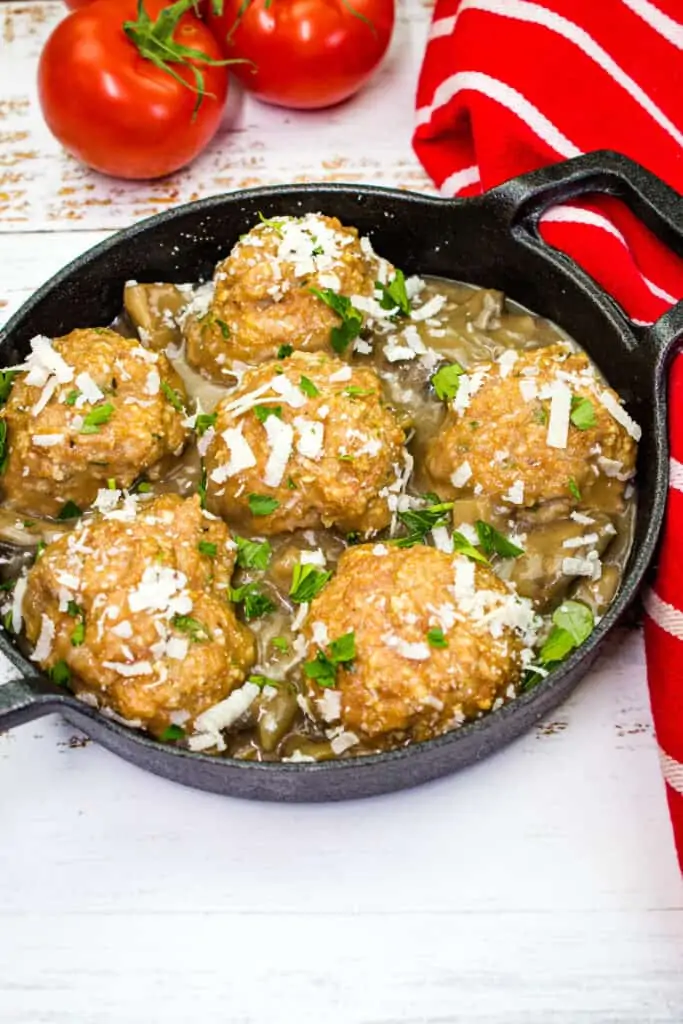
{"x":407,"y":681}
{"x":311,"y":435}
{"x":134,"y":601}
{"x":263,"y":299}
{"x":495,"y":443}
{"x":92,"y":407}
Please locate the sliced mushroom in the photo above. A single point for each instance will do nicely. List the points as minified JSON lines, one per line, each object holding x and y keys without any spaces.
{"x":153,"y":309}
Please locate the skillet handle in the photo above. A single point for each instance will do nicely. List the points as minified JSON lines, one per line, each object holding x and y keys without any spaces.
{"x":524,"y":200}
{"x":23,"y":699}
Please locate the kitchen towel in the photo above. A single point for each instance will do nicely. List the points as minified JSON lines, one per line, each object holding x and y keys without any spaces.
{"x":507,"y":86}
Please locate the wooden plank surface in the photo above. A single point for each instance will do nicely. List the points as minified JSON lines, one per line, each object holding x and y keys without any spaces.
{"x":539,"y":887}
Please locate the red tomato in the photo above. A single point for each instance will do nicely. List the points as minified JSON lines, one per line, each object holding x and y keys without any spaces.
{"x":115,"y":110}
{"x":307,"y":53}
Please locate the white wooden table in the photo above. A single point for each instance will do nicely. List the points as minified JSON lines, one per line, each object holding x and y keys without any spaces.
{"x":538,"y":888}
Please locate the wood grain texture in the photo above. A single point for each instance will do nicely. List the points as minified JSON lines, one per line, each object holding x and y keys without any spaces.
{"x":539,"y":887}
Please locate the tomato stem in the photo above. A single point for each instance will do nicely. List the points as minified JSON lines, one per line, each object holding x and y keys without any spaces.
{"x":154,"y":41}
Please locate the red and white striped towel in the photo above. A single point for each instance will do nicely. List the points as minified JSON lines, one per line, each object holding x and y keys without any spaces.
{"x":511,"y":85}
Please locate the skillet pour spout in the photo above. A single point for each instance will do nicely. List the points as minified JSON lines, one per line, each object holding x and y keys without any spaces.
{"x":492,"y":241}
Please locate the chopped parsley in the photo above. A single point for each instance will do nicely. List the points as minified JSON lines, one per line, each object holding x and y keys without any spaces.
{"x":207,"y":547}
{"x":172,"y":396}
{"x":284,"y":351}
{"x":96,"y":418}
{"x":172,"y":732}
{"x":394,"y":294}
{"x":583,"y":413}
{"x":290,"y":483}
{"x":280,"y":643}
{"x":462,"y":546}
{"x":323,"y":668}
{"x":253,"y":554}
{"x":307,"y":582}
{"x":419,"y":521}
{"x":352,"y":319}
{"x":435,"y":638}
{"x":541,"y":415}
{"x":262,"y":412}
{"x":4,"y":447}
{"x":262,"y":681}
{"x":72,"y":397}
{"x":201,"y":489}
{"x":354,"y":392}
{"x":140,"y":486}
{"x":78,"y":634}
{"x":6,"y":382}
{"x":40,"y":548}
{"x":494,"y":543}
{"x":276,"y":225}
{"x":446,"y":381}
{"x":308,"y":387}
{"x":204,"y":421}
{"x":225,"y":330}
{"x":70,"y":511}
{"x":574,"y":488}
{"x":572,"y":624}
{"x":196,"y":630}
{"x":255,"y":602}
{"x":7,"y":585}
{"x":262,"y":505}
{"x":60,"y":673}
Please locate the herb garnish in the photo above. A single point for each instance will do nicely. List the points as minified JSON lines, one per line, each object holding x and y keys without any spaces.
{"x":308,"y":387}
{"x":262,"y":681}
{"x":419,"y":521}
{"x":255,"y":602}
{"x":494,"y":543}
{"x":252,"y":554}
{"x":435,"y":638}
{"x":446,"y":381}
{"x":172,"y":396}
{"x":352,"y":318}
{"x":72,"y":397}
{"x":572,"y":624}
{"x":354,"y":392}
{"x":462,"y":546}
{"x":60,"y":673}
{"x":196,"y":630}
{"x":78,"y":635}
{"x":276,"y":225}
{"x":574,"y":488}
{"x":207,"y":547}
{"x":96,"y":418}
{"x":262,"y":505}
{"x":583,"y":413}
{"x":201,"y":489}
{"x":70,"y":511}
{"x":284,"y":351}
{"x":394,"y":294}
{"x":323,"y":668}
{"x":6,"y":382}
{"x":172,"y":732}
{"x":225,"y":330}
{"x":204,"y":421}
{"x":262,"y":412}
{"x":307,"y":582}
{"x":280,"y":643}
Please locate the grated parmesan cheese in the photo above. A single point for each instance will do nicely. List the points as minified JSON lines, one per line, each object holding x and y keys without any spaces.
{"x":417,"y":651}
{"x":47,"y":440}
{"x":560,"y":409}
{"x":506,"y":361}
{"x":280,"y":439}
{"x":516,"y":493}
{"x":461,"y":475}
{"x":311,"y":436}
{"x":241,"y":455}
{"x":617,"y":412}
{"x":209,"y":725}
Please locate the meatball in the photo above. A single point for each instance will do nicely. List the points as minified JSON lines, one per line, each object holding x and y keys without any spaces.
{"x":438,"y":640}
{"x":302,"y":443}
{"x":86,"y":409}
{"x":133,"y":602}
{"x":263,"y":300}
{"x":508,"y":436}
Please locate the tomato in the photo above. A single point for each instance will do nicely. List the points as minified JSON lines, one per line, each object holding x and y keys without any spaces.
{"x":117,"y":111}
{"x":306,"y":53}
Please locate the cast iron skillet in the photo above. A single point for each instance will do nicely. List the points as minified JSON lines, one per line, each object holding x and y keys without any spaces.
{"x":492,"y":241}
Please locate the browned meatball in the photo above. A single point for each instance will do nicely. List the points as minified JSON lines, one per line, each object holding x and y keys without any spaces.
{"x":134,"y":603}
{"x":438,"y":640}
{"x":89,"y":407}
{"x":305,"y":442}
{"x":263,"y":298}
{"x":508,"y":436}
